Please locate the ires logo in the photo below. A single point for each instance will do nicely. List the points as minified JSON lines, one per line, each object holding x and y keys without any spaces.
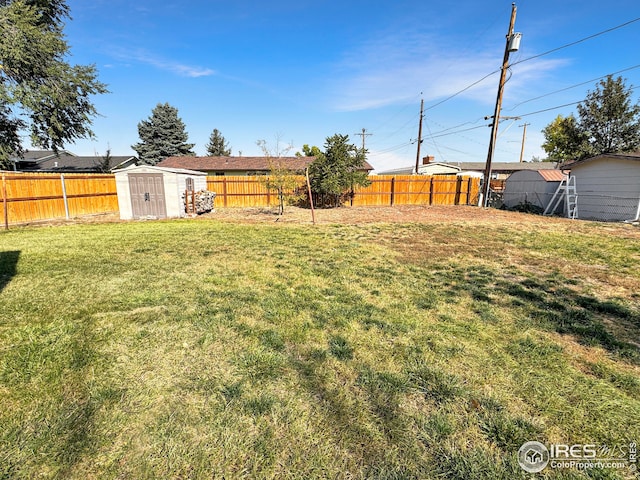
{"x":534,"y":457}
{"x":573,"y":452}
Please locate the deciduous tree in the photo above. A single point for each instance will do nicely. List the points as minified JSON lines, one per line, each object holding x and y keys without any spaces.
{"x":607,"y":122}
{"x":162,"y":135}
{"x":40,"y":91}
{"x":280,"y":178}
{"x":564,"y":140}
{"x":308,"y":151}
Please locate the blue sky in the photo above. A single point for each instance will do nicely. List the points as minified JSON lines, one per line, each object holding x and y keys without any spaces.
{"x":303,"y":70}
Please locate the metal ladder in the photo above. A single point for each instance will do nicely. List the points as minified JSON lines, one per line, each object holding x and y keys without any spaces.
{"x":566,"y":191}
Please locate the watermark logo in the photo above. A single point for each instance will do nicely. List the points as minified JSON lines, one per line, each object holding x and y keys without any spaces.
{"x":533,"y":457}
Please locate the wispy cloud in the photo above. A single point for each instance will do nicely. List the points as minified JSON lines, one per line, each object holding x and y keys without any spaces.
{"x":176,"y":67}
{"x":395,"y":69}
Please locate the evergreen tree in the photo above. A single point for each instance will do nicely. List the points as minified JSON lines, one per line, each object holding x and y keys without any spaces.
{"x":162,"y":135}
{"x":337,"y":170}
{"x":40,"y":91}
{"x":218,"y":145}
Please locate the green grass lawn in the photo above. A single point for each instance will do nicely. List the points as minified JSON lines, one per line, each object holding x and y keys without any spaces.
{"x":201,"y":349}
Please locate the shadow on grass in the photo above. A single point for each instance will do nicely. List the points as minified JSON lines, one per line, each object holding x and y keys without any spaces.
{"x":364,"y":417}
{"x":8,"y":267}
{"x":54,"y":369}
{"x":551,"y":302}
{"x":368,"y":419}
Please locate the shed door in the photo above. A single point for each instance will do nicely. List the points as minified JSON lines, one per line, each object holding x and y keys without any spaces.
{"x":147,"y":195}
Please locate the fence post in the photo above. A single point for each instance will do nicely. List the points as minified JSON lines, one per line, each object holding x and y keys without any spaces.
{"x":431,"y":191}
{"x":4,"y":202}
{"x":468,"y":190}
{"x":458,"y":190}
{"x":224,"y":191}
{"x":64,"y":197}
{"x":393,"y":190}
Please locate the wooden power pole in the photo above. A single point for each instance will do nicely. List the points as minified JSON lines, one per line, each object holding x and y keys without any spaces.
{"x":364,"y":134}
{"x":419,"y":135}
{"x":496,"y":114}
{"x":524,"y":137}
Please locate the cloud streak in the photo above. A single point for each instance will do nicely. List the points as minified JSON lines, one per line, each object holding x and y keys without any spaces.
{"x":175,"y":67}
{"x":394,"y":69}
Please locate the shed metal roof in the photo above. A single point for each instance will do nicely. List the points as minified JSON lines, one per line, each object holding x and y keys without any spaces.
{"x":552,"y":175}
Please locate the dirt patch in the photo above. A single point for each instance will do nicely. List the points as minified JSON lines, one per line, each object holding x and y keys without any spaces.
{"x":396,"y":214}
{"x":361,"y":215}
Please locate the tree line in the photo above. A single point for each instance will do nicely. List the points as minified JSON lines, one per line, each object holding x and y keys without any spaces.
{"x":164,"y":135}
{"x":333,"y":174}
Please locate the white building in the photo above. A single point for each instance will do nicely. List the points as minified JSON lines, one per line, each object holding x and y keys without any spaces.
{"x":608,"y":186}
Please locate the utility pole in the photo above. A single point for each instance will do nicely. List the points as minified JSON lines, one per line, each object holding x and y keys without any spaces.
{"x":363,"y":135}
{"x":496,"y":115}
{"x":419,"y":135}
{"x":524,"y":136}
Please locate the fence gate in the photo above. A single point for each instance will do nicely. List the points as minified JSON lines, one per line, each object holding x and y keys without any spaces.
{"x":147,"y":195}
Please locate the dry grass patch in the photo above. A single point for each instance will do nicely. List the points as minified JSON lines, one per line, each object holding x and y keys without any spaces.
{"x":208,"y":349}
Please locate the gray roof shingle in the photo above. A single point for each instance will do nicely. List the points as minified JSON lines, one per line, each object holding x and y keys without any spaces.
{"x":239,"y":164}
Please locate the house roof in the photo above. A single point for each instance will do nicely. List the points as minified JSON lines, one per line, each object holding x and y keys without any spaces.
{"x":479,"y":167}
{"x":507,"y":166}
{"x":398,"y":171}
{"x":67,"y":162}
{"x":633,"y":156}
{"x":72,"y":163}
{"x":34,"y":156}
{"x":240,"y":164}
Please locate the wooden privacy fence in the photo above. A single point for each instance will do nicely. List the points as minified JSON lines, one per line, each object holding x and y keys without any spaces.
{"x":32,"y":197}
{"x":243,"y":191}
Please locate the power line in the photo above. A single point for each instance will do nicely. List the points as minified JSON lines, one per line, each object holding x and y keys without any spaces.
{"x":462,"y":91}
{"x":577,"y":41}
{"x":446,"y":131}
{"x":434,"y":143}
{"x":573,"y":86}
{"x":391,"y":149}
{"x":438,"y":135}
{"x":631,"y":88}
{"x":531,"y":58}
{"x":396,"y":114}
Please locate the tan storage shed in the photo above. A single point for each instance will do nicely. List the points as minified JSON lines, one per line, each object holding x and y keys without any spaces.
{"x":146,"y":191}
